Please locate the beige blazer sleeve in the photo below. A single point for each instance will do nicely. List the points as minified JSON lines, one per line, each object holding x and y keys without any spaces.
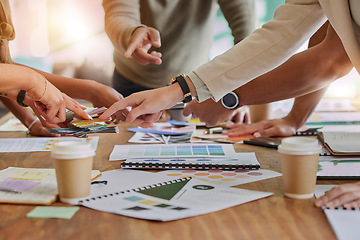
{"x":338,"y":13}
{"x":265,"y":49}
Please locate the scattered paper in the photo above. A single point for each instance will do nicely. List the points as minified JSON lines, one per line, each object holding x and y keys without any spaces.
{"x":39,"y":144}
{"x":345,"y":223}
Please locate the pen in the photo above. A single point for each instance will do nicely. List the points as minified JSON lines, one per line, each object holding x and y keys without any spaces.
{"x":214,"y":130}
{"x":9,"y":190}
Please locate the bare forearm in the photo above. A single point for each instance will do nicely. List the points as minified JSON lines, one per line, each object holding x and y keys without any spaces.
{"x":304,"y":106}
{"x":73,"y":87}
{"x":14,"y":77}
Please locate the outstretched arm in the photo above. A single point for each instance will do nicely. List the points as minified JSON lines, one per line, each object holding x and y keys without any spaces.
{"x":329,"y":61}
{"x":325,"y":62}
{"x":27,"y":118}
{"x":127,"y":34}
{"x":49,"y":101}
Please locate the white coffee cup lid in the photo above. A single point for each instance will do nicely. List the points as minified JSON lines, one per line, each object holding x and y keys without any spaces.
{"x":299,"y":146}
{"x":72,"y":150}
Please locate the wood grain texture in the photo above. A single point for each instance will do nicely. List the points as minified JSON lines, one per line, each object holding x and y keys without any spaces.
{"x":274,"y":217}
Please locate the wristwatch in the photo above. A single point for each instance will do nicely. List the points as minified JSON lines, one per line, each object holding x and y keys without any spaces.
{"x":184,"y":87}
{"x":230,"y":101}
{"x":20,"y":98}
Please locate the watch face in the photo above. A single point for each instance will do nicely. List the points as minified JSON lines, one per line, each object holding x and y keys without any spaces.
{"x":230,"y":100}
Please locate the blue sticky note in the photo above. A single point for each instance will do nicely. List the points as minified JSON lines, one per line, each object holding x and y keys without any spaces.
{"x":53,"y":212}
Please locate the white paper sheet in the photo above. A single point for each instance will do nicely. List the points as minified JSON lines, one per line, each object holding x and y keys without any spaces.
{"x":345,"y":223}
{"x":39,"y":144}
{"x":13,"y":124}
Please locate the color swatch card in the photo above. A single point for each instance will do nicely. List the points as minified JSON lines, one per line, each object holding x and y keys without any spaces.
{"x":29,"y":185}
{"x":37,"y":144}
{"x":345,"y":223}
{"x":170,"y":200}
{"x":220,"y":177}
{"x":146,"y":151}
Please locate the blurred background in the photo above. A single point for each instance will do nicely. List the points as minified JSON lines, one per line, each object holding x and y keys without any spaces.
{"x":67,"y":37}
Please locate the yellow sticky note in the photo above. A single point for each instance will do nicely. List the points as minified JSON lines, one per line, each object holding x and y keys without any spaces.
{"x":31,"y":175}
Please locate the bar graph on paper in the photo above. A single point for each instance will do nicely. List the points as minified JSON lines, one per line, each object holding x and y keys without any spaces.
{"x":121,"y":152}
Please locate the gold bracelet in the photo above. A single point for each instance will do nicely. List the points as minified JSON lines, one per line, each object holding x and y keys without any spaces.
{"x":44,"y":90}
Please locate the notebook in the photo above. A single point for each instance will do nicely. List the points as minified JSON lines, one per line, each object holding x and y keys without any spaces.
{"x":345,"y":223}
{"x":341,"y":143}
{"x":30,"y":185}
{"x":238,"y":161}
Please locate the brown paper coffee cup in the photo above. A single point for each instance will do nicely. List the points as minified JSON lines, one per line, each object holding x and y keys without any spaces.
{"x":73,"y":164}
{"x":299,"y":163}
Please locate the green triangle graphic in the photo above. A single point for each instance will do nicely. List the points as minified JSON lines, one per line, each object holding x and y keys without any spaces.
{"x":165,"y":191}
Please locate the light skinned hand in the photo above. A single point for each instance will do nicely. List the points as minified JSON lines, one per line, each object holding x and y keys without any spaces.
{"x":146,"y":106}
{"x":105,"y":96}
{"x":240,"y":115}
{"x":30,"y":102}
{"x":142,"y":39}
{"x":214,"y":113}
{"x":347,"y":195}
{"x":283,"y":127}
{"x":53,"y":104}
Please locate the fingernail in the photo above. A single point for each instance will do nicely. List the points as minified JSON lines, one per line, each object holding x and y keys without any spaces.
{"x":318,"y":203}
{"x":89,"y":117}
{"x":329,"y":205}
{"x":257,"y":134}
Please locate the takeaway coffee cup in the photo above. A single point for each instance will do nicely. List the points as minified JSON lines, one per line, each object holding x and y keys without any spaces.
{"x":299,"y":163}
{"x":73,"y":164}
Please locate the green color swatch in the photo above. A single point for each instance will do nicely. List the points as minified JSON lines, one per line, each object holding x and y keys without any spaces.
{"x":165,"y":191}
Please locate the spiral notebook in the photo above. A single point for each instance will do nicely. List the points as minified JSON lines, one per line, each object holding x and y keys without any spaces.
{"x":162,"y":198}
{"x":237,"y":161}
{"x":341,"y":143}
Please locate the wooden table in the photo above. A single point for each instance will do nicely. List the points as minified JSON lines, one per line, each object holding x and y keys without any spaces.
{"x":274,"y":217}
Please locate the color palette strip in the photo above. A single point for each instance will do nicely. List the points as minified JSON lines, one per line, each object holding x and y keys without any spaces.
{"x":177,"y":150}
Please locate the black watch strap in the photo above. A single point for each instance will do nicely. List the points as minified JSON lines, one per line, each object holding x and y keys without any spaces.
{"x":184,"y":87}
{"x":20,"y":98}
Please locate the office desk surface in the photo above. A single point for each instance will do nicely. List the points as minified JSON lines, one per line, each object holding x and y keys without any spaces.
{"x":275,"y":217}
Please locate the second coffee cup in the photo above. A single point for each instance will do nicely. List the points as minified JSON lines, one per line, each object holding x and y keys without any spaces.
{"x":299,"y":163}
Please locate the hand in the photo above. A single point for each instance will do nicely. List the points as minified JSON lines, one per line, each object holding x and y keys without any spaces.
{"x":268,"y":128}
{"x":240,"y":115}
{"x":142,"y":39}
{"x":347,"y":195}
{"x":39,"y":130}
{"x":105,"y":96}
{"x":52,"y":103}
{"x":214,"y":113}
{"x":146,"y":105}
